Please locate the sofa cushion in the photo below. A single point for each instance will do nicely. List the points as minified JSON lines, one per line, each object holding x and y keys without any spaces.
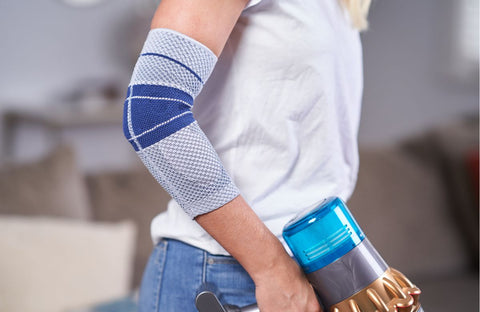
{"x":52,"y":186}
{"x":401,"y":203}
{"x":133,"y":195}
{"x":457,"y":145}
{"x":52,"y":264}
{"x":453,"y":149}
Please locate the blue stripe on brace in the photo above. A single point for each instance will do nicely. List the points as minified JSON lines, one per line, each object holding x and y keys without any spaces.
{"x":175,"y":61}
{"x":160,"y":91}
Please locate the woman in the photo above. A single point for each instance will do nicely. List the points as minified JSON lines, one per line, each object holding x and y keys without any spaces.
{"x":281,"y":109}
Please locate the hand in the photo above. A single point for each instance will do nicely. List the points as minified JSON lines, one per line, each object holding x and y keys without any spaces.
{"x":285,"y":288}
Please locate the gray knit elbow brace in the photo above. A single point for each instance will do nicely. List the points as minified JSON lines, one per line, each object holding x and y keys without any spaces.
{"x":159,"y":124}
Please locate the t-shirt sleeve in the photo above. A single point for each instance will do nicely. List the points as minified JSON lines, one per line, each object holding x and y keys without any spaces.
{"x":252,"y":3}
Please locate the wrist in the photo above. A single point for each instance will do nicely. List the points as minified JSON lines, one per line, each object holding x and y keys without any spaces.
{"x":239,"y":230}
{"x":272,"y":262}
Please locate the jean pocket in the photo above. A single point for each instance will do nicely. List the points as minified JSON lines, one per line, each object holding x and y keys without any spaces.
{"x":233,"y":284}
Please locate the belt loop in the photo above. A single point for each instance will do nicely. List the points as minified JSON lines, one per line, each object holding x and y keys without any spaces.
{"x":204,"y":273}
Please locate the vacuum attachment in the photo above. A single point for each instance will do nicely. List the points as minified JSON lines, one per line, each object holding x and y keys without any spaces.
{"x":344,"y":268}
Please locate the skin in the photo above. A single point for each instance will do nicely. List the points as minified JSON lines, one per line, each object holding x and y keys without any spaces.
{"x":280,"y":284}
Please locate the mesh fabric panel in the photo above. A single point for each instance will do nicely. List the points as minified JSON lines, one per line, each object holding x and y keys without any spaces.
{"x":187,"y":166}
{"x":154,"y":69}
{"x":183,"y":49}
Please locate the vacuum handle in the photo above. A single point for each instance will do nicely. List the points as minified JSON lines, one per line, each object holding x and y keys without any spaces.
{"x":207,"y":301}
{"x":250,"y":308}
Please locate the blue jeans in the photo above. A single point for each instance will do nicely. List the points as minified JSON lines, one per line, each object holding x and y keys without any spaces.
{"x":177,"y":272}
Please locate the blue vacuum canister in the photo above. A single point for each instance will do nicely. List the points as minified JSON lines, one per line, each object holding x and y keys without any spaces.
{"x":342,"y":265}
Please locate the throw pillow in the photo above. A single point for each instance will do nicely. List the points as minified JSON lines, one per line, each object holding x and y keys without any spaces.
{"x":133,"y":195}
{"x":53,"y":264}
{"x":52,"y":186}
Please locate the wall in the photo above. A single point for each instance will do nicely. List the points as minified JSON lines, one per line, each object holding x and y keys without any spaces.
{"x":47,"y":46}
{"x":410,"y":58}
{"x":49,"y":49}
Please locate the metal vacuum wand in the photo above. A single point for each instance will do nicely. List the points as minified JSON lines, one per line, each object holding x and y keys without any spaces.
{"x":207,"y":301}
{"x":342,"y":265}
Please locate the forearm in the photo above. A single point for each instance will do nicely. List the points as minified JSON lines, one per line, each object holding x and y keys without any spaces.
{"x":240,"y":231}
{"x":280,"y":284}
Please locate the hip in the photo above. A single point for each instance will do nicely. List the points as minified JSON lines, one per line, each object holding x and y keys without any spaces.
{"x":177,"y":272}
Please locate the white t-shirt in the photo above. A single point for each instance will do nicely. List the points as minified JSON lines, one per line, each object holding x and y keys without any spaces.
{"x":282,"y":109}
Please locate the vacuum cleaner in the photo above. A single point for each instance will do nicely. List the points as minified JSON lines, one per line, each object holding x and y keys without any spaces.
{"x":344,"y":268}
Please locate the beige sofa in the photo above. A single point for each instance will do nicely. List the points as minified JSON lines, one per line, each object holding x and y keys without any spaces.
{"x":414,"y":200}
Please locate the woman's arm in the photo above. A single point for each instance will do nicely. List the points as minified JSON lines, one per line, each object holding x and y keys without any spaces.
{"x":280,"y":284}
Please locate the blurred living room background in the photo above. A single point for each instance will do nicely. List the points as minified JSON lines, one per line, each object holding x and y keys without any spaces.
{"x":75,"y":203}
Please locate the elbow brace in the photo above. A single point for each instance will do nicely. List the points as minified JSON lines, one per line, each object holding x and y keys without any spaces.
{"x":159,"y":123}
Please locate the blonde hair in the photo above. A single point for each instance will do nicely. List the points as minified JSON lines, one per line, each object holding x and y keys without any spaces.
{"x":358,"y":11}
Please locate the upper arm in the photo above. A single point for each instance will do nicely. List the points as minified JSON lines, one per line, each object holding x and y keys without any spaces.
{"x":207,"y":21}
